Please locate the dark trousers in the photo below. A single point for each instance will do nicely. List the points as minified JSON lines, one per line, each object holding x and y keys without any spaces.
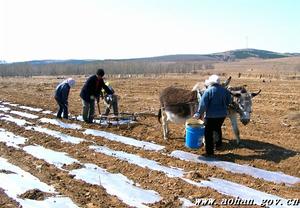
{"x":88,"y":110}
{"x":62,"y":109}
{"x":213,"y":125}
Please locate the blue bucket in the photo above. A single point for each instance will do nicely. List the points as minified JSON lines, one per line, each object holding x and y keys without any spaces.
{"x":194,"y":135}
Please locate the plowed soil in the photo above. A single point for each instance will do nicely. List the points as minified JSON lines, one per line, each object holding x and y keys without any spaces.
{"x":271,"y":141}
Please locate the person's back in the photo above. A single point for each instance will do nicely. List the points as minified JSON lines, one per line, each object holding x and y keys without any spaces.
{"x":62,"y":92}
{"x":61,"y":96}
{"x":213,"y":103}
{"x":218,"y":99}
{"x":90,"y":88}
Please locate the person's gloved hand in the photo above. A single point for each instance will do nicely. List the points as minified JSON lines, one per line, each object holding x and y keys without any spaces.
{"x":110,"y":97}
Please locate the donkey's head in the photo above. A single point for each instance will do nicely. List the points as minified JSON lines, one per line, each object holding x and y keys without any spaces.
{"x":242,"y":102}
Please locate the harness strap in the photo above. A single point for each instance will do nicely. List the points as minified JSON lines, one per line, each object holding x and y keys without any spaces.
{"x":235,"y":107}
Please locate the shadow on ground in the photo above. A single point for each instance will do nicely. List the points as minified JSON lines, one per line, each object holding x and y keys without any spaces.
{"x":262,"y":150}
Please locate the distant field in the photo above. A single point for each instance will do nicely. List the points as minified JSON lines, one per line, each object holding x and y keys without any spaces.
{"x":279,"y":67}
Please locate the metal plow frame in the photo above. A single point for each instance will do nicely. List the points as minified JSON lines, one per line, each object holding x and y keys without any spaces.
{"x":112,"y":120}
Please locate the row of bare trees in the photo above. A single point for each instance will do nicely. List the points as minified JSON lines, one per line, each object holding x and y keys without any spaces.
{"x":28,"y":69}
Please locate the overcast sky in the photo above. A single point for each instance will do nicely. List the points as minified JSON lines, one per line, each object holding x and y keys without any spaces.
{"x":105,"y":29}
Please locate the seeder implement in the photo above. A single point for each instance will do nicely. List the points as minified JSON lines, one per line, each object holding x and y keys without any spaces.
{"x":123,"y":119}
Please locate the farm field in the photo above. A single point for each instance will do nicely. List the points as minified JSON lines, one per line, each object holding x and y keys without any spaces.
{"x":89,"y":165}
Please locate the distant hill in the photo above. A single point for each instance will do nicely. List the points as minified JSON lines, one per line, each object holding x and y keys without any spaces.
{"x":222,"y":56}
{"x":214,"y":57}
{"x":171,"y":58}
{"x":252,"y":53}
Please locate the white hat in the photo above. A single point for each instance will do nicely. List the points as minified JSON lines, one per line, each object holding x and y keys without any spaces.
{"x":71,"y":82}
{"x":213,"y":79}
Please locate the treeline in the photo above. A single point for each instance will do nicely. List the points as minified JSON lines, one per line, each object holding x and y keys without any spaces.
{"x":28,"y":69}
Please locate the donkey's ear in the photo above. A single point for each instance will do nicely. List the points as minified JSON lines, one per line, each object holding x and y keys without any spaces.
{"x":253,"y":94}
{"x":226,"y":83}
{"x":198,"y":86}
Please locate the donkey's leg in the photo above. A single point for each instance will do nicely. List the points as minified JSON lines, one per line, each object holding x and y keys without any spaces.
{"x":235,"y":127}
{"x":164,"y":125}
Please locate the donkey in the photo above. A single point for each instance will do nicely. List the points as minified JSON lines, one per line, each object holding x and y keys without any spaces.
{"x":177,"y":105}
{"x":242,"y":105}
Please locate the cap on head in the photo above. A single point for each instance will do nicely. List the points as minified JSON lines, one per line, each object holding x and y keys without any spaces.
{"x":71,"y":82}
{"x":213,"y":79}
{"x":100,"y":72}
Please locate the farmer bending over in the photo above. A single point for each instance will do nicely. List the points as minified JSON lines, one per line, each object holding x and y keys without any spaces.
{"x":61,"y":96}
{"x":91,"y":92}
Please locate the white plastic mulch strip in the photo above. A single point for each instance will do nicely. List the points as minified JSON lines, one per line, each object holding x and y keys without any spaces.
{"x":186,"y":203}
{"x":31,"y":109}
{"x":47,"y":112}
{"x":16,"y":181}
{"x":23,"y":114}
{"x":10,"y":139}
{"x":11,"y":104}
{"x":276,"y":177}
{"x":60,"y":123}
{"x":125,"y":140}
{"x":63,"y":137}
{"x":4,"y":109}
{"x":19,"y":122}
{"x":137,"y":160}
{"x":51,"y":202}
{"x":57,"y":158}
{"x":116,"y":184}
{"x":220,"y":185}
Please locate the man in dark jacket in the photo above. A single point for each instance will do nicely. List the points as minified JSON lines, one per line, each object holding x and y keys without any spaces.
{"x":91,"y":92}
{"x":61,"y":96}
{"x":214,"y":102}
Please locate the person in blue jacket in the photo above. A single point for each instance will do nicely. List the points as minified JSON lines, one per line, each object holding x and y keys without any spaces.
{"x":214,"y":103}
{"x":90,"y":92}
{"x":61,"y":96}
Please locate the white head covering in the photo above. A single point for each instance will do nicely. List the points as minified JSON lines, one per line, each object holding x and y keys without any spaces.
{"x":213,"y":79}
{"x":71,"y":82}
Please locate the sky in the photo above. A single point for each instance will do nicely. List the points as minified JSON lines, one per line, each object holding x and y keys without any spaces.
{"x":117,"y":29}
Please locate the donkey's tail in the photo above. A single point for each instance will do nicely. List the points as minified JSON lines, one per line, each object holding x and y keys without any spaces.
{"x":159,"y":115}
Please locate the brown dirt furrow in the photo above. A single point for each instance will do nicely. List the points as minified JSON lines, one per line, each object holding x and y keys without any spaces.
{"x":270,"y":141}
{"x":80,"y":192}
{"x":6,"y":201}
{"x":81,"y":151}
